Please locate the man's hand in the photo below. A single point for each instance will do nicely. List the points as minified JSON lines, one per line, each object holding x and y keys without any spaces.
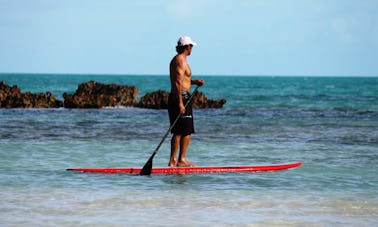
{"x":182,"y":108}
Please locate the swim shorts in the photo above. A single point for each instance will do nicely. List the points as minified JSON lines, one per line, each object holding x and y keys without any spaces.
{"x":184,"y":126}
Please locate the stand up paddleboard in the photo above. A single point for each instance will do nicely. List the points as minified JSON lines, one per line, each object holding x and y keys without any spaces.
{"x":192,"y":170}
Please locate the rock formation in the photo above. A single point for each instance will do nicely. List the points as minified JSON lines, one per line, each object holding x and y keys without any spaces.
{"x":96,"y":95}
{"x":154,"y":100}
{"x":201,"y":102}
{"x":159,"y":100}
{"x":12,"y":97}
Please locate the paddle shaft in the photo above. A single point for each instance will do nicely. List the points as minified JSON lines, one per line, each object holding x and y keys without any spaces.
{"x":148,"y":166}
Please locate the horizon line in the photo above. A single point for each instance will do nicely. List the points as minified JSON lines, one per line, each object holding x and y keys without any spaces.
{"x":195,"y":75}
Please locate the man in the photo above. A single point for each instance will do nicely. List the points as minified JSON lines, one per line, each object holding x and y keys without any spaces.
{"x":181,"y":81}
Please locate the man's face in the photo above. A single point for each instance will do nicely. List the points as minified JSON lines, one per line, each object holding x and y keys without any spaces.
{"x":190,"y":47}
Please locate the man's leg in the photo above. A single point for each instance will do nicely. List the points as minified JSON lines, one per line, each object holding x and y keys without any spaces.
{"x":184,"y":144}
{"x":175,"y":143}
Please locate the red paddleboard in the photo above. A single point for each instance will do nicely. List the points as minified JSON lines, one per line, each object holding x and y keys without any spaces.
{"x":192,"y":170}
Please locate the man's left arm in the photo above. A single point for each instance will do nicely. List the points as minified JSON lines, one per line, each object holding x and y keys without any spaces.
{"x":197,"y":82}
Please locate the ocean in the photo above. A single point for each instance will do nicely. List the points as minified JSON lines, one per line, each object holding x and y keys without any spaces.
{"x":328,"y":123}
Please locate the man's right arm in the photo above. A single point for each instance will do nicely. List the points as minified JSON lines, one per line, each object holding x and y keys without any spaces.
{"x":177,"y":86}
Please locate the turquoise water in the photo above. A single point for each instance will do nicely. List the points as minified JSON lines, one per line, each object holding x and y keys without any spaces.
{"x":329,"y":123}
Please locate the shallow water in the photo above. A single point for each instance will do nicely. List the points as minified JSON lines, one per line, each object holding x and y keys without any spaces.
{"x":331,"y":124}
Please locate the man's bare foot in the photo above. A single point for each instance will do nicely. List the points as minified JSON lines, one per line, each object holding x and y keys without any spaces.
{"x":185,"y":164}
{"x":172,"y":163}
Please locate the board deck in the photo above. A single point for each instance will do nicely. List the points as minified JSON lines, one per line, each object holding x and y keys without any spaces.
{"x":192,"y":170}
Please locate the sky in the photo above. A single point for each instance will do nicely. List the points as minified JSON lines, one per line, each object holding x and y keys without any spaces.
{"x":241,"y":37}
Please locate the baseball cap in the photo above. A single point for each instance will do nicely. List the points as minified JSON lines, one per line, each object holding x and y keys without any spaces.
{"x":185,"y":40}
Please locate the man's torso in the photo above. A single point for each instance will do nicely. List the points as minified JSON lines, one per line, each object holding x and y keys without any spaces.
{"x":180,"y":70}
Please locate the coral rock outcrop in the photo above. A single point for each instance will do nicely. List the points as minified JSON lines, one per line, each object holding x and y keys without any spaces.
{"x":96,"y":95}
{"x":159,"y":100}
{"x":12,"y":97}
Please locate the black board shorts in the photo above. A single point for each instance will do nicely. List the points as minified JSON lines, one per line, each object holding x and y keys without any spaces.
{"x":184,"y":126}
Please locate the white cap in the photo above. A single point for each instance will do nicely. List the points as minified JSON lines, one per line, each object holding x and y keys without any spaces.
{"x":185,"y":40}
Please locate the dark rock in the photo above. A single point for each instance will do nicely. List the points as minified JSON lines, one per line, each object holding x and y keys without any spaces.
{"x":12,"y":97}
{"x":201,"y":102}
{"x":96,"y":95}
{"x":159,"y":100}
{"x":154,"y":100}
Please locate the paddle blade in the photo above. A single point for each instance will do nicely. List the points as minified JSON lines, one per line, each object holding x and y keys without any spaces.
{"x":147,"y":168}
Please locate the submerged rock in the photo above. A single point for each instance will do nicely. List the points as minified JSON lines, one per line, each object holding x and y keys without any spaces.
{"x":12,"y":97}
{"x":96,"y":95}
{"x":159,"y":100}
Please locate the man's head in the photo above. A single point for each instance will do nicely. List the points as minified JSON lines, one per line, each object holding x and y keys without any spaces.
{"x":185,"y":43}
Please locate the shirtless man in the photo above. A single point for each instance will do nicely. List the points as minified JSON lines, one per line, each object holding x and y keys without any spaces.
{"x":181,"y":81}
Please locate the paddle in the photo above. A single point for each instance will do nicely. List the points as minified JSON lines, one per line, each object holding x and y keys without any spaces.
{"x":147,"y":168}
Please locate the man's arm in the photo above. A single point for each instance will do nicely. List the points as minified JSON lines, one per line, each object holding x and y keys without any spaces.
{"x":178,"y":74}
{"x":197,"y":82}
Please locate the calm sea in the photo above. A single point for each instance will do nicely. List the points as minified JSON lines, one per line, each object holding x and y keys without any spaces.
{"x":329,"y":123}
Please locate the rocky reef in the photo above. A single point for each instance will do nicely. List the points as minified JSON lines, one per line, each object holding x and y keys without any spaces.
{"x":96,"y":95}
{"x":154,"y":100}
{"x":201,"y":102}
{"x":159,"y":100}
{"x":92,"y":94}
{"x":12,"y":97}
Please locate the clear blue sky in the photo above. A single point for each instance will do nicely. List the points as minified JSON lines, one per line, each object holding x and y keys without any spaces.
{"x":241,"y":37}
